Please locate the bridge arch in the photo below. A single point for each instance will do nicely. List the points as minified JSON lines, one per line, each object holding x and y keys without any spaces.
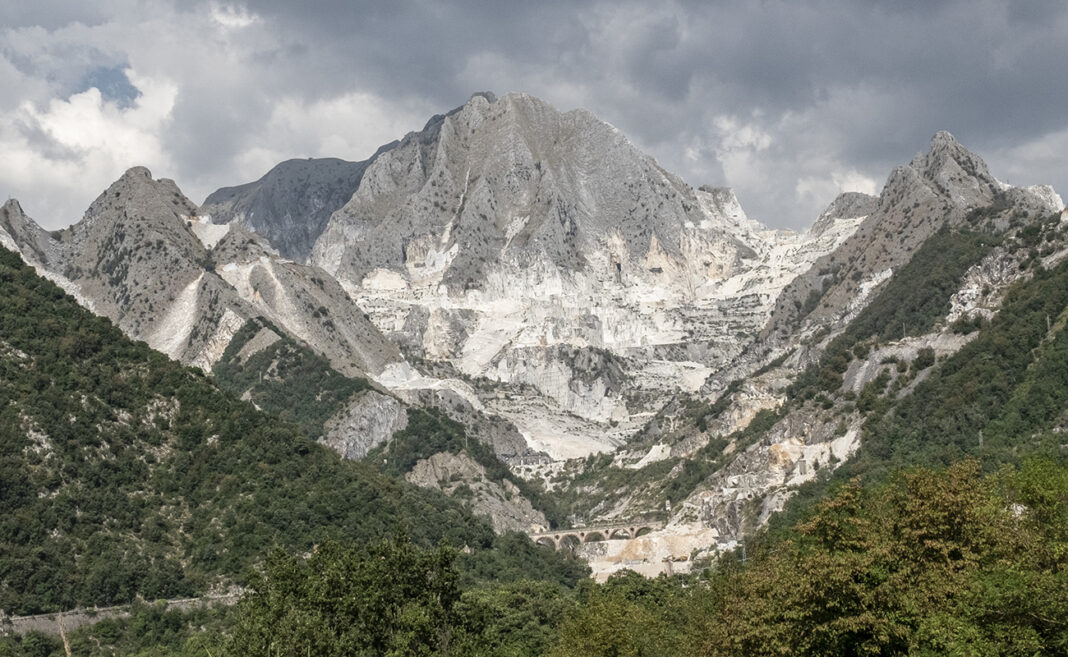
{"x":571,"y":539}
{"x":569,"y":542}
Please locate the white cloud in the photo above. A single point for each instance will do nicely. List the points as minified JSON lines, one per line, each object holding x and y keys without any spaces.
{"x":814,"y":191}
{"x":349,"y":126}
{"x":59,"y":156}
{"x":844,"y":95}
{"x":1039,"y":161}
{"x":231,"y":16}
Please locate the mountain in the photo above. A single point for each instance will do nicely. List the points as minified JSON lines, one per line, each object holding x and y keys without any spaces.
{"x":126,"y":474}
{"x":947,"y":185}
{"x":542,"y":252}
{"x":145,"y":258}
{"x":291,"y":204}
{"x":950,"y":352}
{"x":631,"y":347}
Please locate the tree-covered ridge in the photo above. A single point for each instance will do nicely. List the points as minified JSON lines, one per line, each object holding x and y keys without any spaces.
{"x":126,"y":474}
{"x":430,"y":432}
{"x":912,"y":301}
{"x":929,"y":562}
{"x":285,"y":378}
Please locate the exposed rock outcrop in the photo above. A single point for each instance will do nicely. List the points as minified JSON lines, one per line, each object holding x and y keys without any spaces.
{"x":367,"y":421}
{"x":291,"y":204}
{"x":524,"y":246}
{"x":462,"y":477}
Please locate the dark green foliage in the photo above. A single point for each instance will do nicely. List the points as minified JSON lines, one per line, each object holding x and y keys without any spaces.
{"x":1011,"y":383}
{"x":927,"y":563}
{"x":430,"y":432}
{"x":151,"y":631}
{"x":286,"y":379}
{"x":628,"y":616}
{"x":124,"y":473}
{"x":383,"y":599}
{"x":32,"y":644}
{"x":912,"y":301}
{"x":925,"y":358}
{"x":969,"y":324}
{"x":515,"y":558}
{"x":519,"y":619}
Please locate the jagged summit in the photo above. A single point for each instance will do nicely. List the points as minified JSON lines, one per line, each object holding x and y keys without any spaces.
{"x":144,"y":258}
{"x":511,"y":181}
{"x":847,"y":205}
{"x":436,"y":120}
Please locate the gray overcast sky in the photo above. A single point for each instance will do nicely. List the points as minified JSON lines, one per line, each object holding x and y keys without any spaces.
{"x":787,"y":102}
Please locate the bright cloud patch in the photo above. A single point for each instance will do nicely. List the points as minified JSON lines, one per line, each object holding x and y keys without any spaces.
{"x":61,"y":155}
{"x":349,"y":126}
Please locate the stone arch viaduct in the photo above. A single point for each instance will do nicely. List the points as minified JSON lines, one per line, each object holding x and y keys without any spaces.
{"x":570,"y":538}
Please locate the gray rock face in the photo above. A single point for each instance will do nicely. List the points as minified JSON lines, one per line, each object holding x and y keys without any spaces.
{"x":136,"y":259}
{"x":291,"y":204}
{"x":144,"y":258}
{"x":500,"y":502}
{"x":368,"y":420}
{"x":510,"y":180}
{"x":524,"y":246}
{"x":847,"y":206}
{"x":19,"y":232}
{"x":508,"y":444}
{"x":304,"y":300}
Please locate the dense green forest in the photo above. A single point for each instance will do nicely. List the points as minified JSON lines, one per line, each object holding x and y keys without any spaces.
{"x":125,"y":474}
{"x":1000,"y":398}
{"x":930,"y":562}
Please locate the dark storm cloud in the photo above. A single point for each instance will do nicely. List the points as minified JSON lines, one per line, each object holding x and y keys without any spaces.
{"x":965,"y":64}
{"x":788,"y":102}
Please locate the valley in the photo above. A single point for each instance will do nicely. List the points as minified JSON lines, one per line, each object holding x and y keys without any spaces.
{"x":511,"y":322}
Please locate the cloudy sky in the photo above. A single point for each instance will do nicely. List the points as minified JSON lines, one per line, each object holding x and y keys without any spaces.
{"x":787,"y":102}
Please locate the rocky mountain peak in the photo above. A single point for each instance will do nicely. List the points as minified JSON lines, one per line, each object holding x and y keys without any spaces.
{"x":12,"y":207}
{"x":956,"y":172}
{"x":847,"y":205}
{"x":510,"y":181}
{"x":937,"y":188}
{"x":17,"y":231}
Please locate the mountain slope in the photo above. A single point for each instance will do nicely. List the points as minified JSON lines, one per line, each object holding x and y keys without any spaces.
{"x":144,"y":258}
{"x":947,"y":185}
{"x":540,"y":253}
{"x":127,"y":474}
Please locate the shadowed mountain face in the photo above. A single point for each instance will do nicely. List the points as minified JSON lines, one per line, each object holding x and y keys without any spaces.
{"x":292,"y":203}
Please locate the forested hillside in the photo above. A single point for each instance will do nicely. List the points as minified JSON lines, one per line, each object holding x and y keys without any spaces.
{"x":949,"y":562}
{"x":125,"y":474}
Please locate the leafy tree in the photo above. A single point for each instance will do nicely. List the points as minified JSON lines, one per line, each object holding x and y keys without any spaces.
{"x":388,"y":599}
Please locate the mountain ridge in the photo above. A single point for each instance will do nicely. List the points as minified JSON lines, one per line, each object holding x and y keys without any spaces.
{"x":533,"y":276}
